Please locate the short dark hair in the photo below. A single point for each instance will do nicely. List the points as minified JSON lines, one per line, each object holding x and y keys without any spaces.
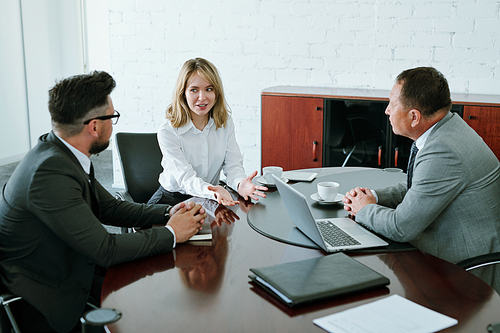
{"x":73,"y":99}
{"x":424,"y":89}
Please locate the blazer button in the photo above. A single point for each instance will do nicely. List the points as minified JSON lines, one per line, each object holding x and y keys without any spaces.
{"x":90,"y":262}
{"x":85,"y":290}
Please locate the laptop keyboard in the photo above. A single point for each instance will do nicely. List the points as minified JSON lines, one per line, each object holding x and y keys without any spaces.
{"x":335,"y":236}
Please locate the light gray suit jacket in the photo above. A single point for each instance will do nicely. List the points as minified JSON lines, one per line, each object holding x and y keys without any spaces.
{"x":51,"y":236}
{"x":452,"y":209}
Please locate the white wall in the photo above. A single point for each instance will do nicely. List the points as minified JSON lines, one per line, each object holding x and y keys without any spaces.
{"x":14,"y":133}
{"x":262,"y":43}
{"x":41,"y":43}
{"x":97,"y":35}
{"x":53,"y":50}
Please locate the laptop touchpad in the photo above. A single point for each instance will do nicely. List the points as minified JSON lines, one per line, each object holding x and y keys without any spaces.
{"x":355,"y":231}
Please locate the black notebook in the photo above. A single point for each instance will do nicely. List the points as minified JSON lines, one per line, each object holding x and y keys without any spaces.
{"x":315,"y":279}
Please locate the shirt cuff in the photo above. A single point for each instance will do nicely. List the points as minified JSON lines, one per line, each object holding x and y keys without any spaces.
{"x":375,"y":195}
{"x":173,"y":233}
{"x":236,"y":183}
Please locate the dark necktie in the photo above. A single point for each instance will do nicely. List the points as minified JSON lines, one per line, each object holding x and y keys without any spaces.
{"x":92,"y":177}
{"x":411,"y":162}
{"x":94,"y":196}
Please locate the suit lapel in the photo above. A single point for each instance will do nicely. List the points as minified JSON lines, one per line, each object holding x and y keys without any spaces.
{"x":93,"y":198}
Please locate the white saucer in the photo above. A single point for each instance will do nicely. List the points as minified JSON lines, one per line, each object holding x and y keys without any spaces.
{"x":263,"y":181}
{"x":339,"y":197}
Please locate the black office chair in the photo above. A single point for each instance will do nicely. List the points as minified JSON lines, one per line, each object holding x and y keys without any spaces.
{"x":480,"y":261}
{"x":140,"y":158}
{"x":7,"y":320}
{"x":92,"y":321}
{"x":487,"y":268}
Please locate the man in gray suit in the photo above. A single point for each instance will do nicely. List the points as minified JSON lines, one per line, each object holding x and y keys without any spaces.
{"x":53,"y":247}
{"x":450,"y":207}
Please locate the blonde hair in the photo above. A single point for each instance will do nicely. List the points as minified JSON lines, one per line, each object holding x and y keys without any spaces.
{"x":179,"y":113}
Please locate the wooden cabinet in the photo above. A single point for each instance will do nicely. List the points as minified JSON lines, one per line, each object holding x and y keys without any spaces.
{"x":292,"y":130}
{"x":293,"y":122}
{"x":486,"y":122}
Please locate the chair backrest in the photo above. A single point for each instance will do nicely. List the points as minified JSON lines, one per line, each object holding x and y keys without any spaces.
{"x":363,"y":129}
{"x":140,"y":157}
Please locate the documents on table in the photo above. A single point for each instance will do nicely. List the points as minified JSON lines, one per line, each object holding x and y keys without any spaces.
{"x":389,"y":315}
{"x":204,"y":234}
{"x":300,"y":176}
{"x":199,"y":237}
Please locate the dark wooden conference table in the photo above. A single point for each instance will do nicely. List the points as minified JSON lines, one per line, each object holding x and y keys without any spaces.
{"x":205,"y":288}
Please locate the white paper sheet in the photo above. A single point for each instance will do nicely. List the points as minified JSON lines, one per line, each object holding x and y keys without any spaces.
{"x":204,"y":234}
{"x":300,"y":176}
{"x":393,"y":314}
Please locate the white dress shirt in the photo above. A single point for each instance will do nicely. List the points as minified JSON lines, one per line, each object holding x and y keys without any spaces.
{"x":193,"y":159}
{"x":420,"y":143}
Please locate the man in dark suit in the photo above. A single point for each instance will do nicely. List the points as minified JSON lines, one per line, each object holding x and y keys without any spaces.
{"x":52,"y":242}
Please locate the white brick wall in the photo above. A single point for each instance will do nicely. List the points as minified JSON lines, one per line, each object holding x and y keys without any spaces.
{"x":261,"y":43}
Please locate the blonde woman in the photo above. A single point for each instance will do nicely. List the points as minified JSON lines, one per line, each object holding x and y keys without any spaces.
{"x":197,"y":141}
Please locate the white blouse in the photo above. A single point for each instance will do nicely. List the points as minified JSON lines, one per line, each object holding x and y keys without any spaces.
{"x":193,"y":159}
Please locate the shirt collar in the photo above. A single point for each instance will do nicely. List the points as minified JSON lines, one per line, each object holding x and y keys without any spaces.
{"x":420,"y":142}
{"x":81,"y":157}
{"x":189,"y":125}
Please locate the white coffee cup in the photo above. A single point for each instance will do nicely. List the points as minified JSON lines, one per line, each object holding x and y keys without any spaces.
{"x":327,"y":191}
{"x":272,"y":170}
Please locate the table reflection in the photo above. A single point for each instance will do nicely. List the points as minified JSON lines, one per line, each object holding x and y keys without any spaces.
{"x":202,"y":267}
{"x":440,"y":287}
{"x":200,"y":263}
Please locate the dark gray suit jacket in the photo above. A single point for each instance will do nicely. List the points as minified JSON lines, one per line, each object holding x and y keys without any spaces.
{"x":452,"y":209}
{"x":51,"y":236}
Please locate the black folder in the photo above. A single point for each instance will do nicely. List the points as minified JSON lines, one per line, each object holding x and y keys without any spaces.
{"x":316,"y":279}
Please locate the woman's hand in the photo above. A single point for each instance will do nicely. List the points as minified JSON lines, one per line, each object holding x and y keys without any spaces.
{"x":222,"y":196}
{"x":248,"y":189}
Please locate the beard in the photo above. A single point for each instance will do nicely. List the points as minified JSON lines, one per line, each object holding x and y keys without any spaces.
{"x":98,"y":146}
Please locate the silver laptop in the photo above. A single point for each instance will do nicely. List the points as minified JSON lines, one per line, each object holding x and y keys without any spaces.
{"x":332,"y":235}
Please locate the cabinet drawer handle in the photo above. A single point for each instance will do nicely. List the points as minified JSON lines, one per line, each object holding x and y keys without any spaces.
{"x":315,"y":145}
{"x":471,"y":117}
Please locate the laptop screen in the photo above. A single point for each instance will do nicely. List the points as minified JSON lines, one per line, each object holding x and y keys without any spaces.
{"x":299,"y":211}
